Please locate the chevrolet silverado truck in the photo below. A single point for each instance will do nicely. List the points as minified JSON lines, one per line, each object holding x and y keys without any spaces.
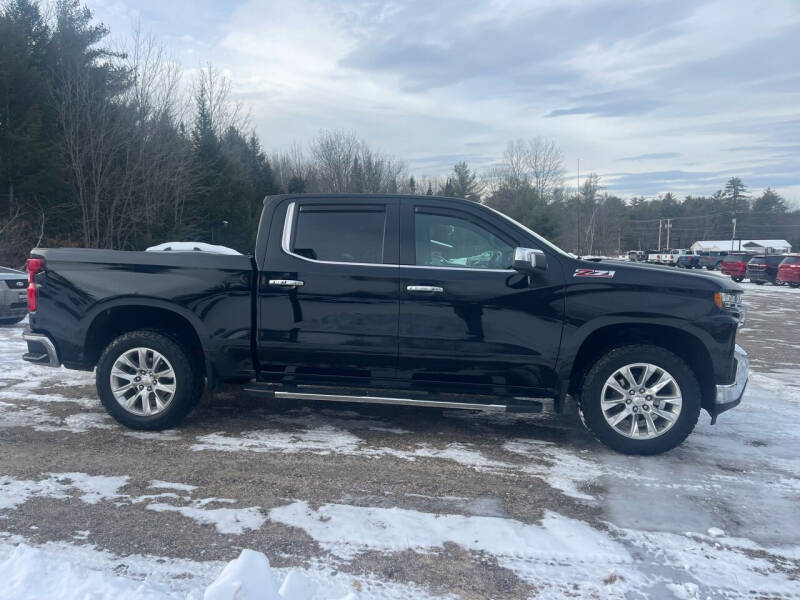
{"x":412,"y":300}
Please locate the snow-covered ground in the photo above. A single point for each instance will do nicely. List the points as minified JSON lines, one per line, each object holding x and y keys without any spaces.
{"x":384,"y":502}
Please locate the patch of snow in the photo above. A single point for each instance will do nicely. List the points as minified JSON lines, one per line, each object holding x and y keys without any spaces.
{"x":172,"y":486}
{"x":319,"y":440}
{"x":719,"y":567}
{"x":29,"y":572}
{"x":80,"y":423}
{"x":685,"y":591}
{"x":192,"y":247}
{"x":92,"y":488}
{"x":346,"y":530}
{"x":225,"y":520}
{"x":81,"y":572}
{"x":248,"y":577}
{"x":715,"y":532}
{"x":168,"y":435}
{"x":558,"y":467}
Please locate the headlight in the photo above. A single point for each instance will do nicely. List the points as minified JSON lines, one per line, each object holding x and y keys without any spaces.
{"x":728,"y":299}
{"x":731,"y":301}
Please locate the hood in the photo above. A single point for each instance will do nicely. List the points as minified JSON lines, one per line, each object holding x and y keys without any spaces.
{"x":6,"y":273}
{"x":628,"y":273}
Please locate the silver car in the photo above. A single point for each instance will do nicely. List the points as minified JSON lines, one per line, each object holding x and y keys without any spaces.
{"x":13,"y":296}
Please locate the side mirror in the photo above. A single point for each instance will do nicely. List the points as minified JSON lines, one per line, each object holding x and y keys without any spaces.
{"x":527,"y":260}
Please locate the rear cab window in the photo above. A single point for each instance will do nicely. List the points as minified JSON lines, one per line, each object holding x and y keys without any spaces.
{"x":791,"y":260}
{"x":339,"y":233}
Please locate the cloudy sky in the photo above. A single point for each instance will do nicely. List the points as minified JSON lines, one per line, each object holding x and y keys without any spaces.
{"x":653,"y":95}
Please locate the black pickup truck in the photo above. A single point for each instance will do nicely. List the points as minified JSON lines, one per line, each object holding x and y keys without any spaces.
{"x":415,"y":300}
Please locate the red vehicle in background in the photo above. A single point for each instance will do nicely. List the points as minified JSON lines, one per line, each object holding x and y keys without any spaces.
{"x":735,"y":265}
{"x":789,"y":271}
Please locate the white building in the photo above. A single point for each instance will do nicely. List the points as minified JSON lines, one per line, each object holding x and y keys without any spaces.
{"x":754,"y":246}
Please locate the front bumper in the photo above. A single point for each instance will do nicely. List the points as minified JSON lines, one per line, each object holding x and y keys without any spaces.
{"x":41,"y":350}
{"x":730,"y":395}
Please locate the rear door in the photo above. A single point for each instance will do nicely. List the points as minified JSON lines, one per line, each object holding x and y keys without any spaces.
{"x":328,"y":301}
{"x":468,"y":322}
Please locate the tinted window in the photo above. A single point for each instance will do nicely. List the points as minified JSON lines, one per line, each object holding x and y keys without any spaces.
{"x":774,"y":260}
{"x":791,"y":260}
{"x":346,"y":234}
{"x":739,"y":257}
{"x":447,"y":241}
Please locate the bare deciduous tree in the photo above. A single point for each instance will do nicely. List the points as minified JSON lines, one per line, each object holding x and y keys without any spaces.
{"x":546,"y":164}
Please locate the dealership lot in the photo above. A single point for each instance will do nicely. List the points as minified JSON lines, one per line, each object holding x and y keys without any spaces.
{"x":393,"y":502}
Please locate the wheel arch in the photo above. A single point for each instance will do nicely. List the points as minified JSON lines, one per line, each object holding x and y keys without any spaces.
{"x":111,"y":320}
{"x":684,"y":344}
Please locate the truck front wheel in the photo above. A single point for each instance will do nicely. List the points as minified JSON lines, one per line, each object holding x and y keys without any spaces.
{"x":640,"y":399}
{"x":146,"y":380}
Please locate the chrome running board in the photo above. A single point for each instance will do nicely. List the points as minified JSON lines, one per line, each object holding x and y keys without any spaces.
{"x":387,"y":400}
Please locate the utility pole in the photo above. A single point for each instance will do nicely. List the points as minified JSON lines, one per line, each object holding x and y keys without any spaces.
{"x":579,"y":175}
{"x":659,"y":235}
{"x":668,"y":226}
{"x":733,"y":235}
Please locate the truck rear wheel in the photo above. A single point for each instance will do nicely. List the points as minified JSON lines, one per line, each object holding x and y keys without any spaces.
{"x":146,"y":380}
{"x":640,"y":399}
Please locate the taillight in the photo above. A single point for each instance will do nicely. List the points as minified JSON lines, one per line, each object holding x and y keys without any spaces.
{"x":35,"y":265}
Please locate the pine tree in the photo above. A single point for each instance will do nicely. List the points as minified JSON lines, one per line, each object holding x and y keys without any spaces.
{"x":465,"y":183}
{"x":296,"y":185}
{"x":736,"y":195}
{"x":412,"y":185}
{"x":770,"y":202}
{"x":430,"y":190}
{"x":449,"y":189}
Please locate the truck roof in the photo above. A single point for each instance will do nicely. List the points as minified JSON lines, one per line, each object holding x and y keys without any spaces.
{"x":337,"y":195}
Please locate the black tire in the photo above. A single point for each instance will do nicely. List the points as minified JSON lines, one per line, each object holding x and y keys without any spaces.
{"x":12,"y":320}
{"x":738,"y":279}
{"x":759,"y":282}
{"x":794,"y":285}
{"x":590,"y":397}
{"x":188,"y":380}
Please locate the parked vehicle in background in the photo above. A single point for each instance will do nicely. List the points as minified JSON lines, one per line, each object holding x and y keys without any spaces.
{"x":653,"y":256}
{"x":13,"y":296}
{"x":763,"y":268}
{"x":789,"y":271}
{"x":712,"y":259}
{"x":688,"y":261}
{"x":671,"y":256}
{"x":735,"y":265}
{"x":411,"y":300}
{"x":637,"y":256}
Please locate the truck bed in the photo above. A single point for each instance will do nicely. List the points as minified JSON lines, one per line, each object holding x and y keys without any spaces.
{"x":83,"y":291}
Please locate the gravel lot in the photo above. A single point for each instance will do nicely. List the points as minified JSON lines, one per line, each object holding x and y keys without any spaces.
{"x":393,"y":502}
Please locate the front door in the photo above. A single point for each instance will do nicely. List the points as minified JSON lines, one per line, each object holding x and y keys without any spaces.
{"x":468,"y":322}
{"x":328,"y":303}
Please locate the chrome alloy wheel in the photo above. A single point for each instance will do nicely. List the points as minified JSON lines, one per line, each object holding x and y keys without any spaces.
{"x":143,"y":381}
{"x":641,"y":401}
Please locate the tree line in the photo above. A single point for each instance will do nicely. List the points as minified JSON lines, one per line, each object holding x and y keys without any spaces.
{"x":105,"y":148}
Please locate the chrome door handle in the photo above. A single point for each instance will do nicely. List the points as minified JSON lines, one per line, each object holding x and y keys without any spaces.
{"x":290,"y":283}
{"x":430,"y":289}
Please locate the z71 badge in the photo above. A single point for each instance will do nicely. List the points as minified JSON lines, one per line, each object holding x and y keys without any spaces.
{"x":593,"y":273}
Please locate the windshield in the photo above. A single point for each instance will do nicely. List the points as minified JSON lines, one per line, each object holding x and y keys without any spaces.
{"x":539,"y":238}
